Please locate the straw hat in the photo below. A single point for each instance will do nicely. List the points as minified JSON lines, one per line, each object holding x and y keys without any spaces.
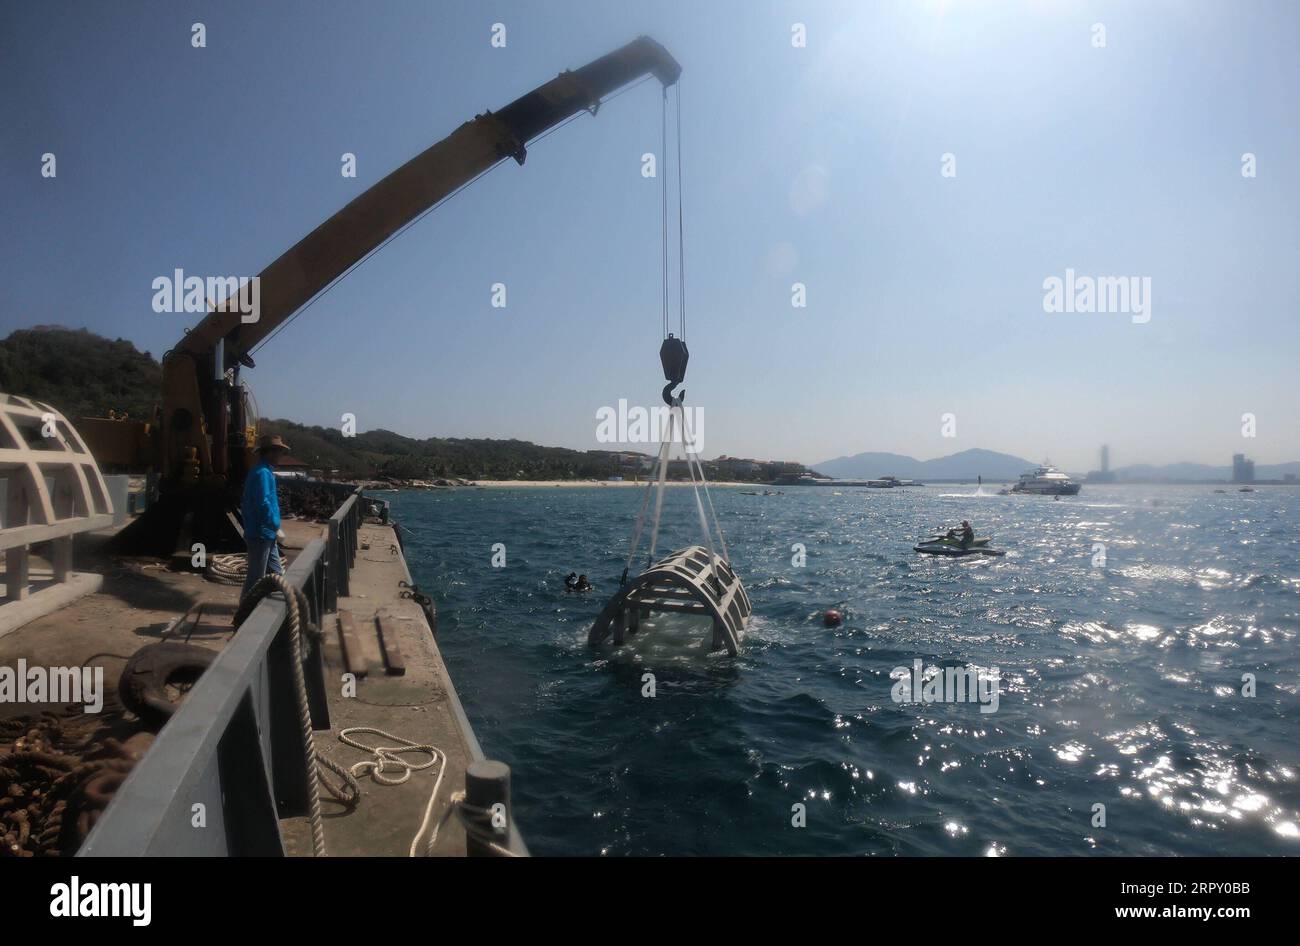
{"x":271,"y":442}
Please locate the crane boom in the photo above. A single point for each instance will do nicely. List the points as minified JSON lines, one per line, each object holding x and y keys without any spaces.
{"x":327,"y":252}
{"x":199,"y":445}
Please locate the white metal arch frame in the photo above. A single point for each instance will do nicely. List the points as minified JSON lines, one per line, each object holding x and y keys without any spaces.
{"x":38,"y":443}
{"x":682,"y":582}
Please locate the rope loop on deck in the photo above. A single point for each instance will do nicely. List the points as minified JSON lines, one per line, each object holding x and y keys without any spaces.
{"x":386,"y":757}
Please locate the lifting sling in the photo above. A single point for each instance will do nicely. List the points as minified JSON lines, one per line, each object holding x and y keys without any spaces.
{"x":696,"y":579}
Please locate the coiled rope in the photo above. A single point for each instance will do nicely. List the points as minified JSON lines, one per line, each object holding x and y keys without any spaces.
{"x":476,"y":821}
{"x":227,"y":569}
{"x":390,"y":757}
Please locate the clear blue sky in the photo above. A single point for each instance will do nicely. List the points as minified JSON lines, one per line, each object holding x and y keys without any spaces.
{"x":818,"y":165}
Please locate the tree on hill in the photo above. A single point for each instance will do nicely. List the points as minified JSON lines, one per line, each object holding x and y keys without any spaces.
{"x":85,"y":375}
{"x":79,"y":373}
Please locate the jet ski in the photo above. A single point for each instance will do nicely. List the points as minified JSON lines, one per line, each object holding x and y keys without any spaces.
{"x":979,"y":540}
{"x":943,"y":545}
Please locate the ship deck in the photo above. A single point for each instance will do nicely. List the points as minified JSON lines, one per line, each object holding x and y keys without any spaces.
{"x":140,"y":599}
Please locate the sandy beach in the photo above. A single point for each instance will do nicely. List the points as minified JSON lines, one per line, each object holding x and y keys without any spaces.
{"x":533,"y":484}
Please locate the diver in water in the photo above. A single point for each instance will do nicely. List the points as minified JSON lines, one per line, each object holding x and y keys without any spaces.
{"x":583,"y":584}
{"x":570,"y":581}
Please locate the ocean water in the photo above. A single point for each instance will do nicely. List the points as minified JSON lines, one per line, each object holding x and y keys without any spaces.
{"x":1120,"y":684}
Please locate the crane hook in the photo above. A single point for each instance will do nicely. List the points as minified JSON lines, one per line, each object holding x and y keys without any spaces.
{"x":673,"y":356}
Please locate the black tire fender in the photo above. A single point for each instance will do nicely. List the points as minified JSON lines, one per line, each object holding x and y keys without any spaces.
{"x":142,"y":687}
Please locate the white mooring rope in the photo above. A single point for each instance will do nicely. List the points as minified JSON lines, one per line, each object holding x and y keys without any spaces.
{"x":349,"y":793}
{"x":476,"y":821}
{"x":386,"y":757}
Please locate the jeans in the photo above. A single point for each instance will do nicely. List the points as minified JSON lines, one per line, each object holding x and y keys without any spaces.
{"x":263,"y":556}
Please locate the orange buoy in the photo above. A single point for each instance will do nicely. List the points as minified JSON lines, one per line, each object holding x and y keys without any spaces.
{"x":832,"y":618}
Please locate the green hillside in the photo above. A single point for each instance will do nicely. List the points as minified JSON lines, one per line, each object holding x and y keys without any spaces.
{"x":79,"y":373}
{"x":85,"y":375}
{"x":386,"y":454}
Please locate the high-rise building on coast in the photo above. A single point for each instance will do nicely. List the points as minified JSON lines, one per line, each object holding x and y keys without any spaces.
{"x":1104,"y":475}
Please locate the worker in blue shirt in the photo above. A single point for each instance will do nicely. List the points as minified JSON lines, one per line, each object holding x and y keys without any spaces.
{"x":261,"y":510}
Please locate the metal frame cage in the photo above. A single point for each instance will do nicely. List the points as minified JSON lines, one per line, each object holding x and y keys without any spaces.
{"x":37,"y":443}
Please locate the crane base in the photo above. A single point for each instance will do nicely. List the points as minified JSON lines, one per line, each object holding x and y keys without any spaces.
{"x":171,"y":526}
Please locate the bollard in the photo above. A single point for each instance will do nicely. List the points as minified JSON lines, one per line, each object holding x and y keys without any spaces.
{"x":487,"y":783}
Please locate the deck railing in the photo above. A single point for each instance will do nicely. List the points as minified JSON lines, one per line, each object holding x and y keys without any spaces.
{"x":343,"y":526}
{"x":228,"y":766}
{"x":234,"y":747}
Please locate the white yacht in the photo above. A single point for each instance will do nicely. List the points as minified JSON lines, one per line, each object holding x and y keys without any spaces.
{"x":1047,"y":480}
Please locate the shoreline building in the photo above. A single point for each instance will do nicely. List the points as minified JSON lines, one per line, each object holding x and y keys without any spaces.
{"x":1243,"y":470}
{"x":1104,"y":475}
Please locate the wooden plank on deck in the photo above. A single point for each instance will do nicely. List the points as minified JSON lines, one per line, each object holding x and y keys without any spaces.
{"x":386,"y":625}
{"x":353,"y":659}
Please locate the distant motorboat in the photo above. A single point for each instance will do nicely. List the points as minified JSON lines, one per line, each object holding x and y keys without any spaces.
{"x":1047,"y":480}
{"x":891,"y":482}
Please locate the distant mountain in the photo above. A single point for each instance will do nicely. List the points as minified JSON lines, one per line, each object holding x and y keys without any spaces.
{"x":869,"y":466}
{"x":1275,"y":471}
{"x":1172,"y":471}
{"x":968,"y":464}
{"x":1199,"y":472}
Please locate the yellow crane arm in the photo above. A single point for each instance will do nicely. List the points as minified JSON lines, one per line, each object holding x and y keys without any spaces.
{"x":327,"y":252}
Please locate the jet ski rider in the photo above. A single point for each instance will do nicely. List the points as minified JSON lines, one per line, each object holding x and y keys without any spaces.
{"x":965,"y":533}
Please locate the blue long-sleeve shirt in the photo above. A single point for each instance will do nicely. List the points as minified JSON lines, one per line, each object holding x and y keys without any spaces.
{"x":261,"y":506}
